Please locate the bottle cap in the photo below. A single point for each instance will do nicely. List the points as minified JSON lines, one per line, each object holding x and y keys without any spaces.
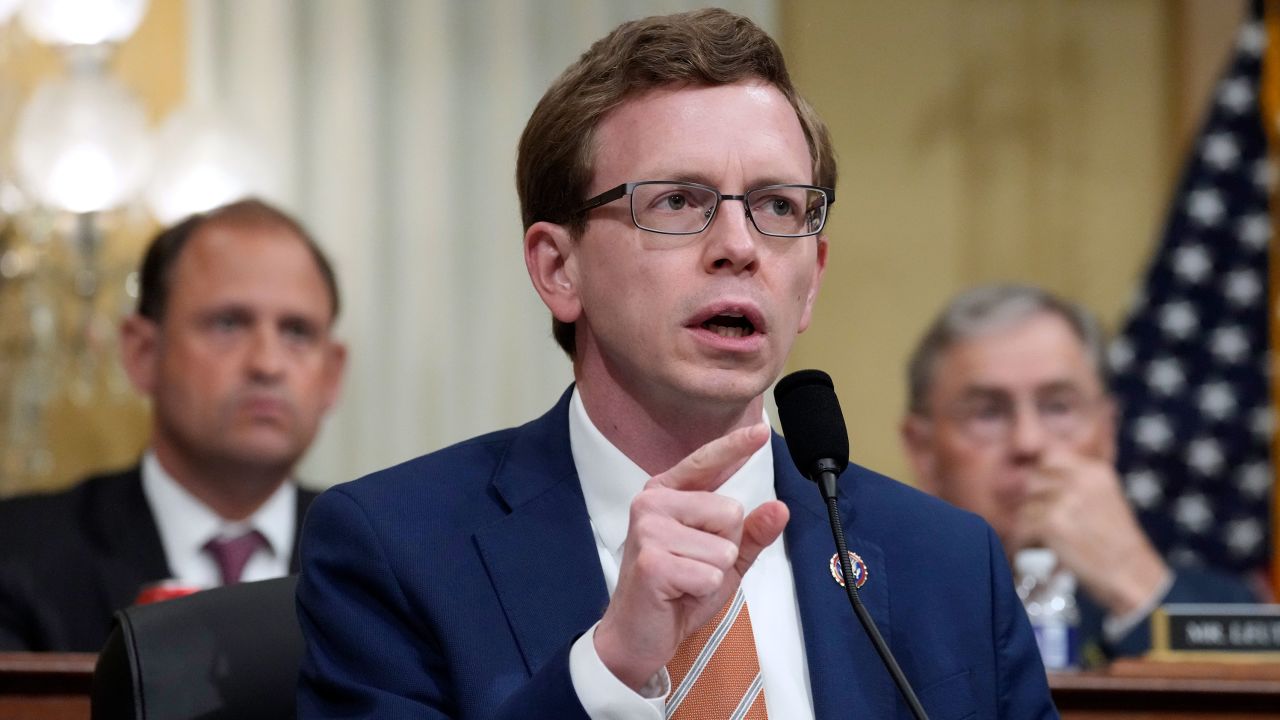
{"x":1038,"y":562}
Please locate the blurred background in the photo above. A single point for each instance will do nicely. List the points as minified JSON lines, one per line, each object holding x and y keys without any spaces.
{"x":979,"y":140}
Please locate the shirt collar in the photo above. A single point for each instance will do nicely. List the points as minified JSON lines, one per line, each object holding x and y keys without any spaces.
{"x":185,"y":524}
{"x":610,"y":479}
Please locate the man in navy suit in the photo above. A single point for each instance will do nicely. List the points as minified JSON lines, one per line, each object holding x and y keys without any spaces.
{"x":1010,"y":418}
{"x":674,"y":190}
{"x":232,"y":343}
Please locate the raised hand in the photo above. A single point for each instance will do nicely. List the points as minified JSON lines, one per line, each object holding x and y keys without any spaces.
{"x":685,"y":554}
{"x":1075,"y":506}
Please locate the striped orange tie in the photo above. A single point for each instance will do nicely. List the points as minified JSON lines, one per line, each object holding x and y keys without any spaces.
{"x":715,"y":674}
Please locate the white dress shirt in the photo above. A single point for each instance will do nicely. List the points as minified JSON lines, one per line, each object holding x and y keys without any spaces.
{"x":186,"y":524}
{"x":610,"y":480}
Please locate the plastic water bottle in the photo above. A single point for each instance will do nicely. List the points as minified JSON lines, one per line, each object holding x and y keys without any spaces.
{"x":1049,"y":595}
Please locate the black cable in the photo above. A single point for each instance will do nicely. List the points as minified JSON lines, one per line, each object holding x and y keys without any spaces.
{"x":865,"y":618}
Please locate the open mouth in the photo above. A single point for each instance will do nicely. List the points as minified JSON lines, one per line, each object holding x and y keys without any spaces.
{"x":729,"y":325}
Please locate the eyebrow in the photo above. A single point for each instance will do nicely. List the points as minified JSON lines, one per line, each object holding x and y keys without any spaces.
{"x":984,"y":392}
{"x":702,"y":179}
{"x":1049,"y":388}
{"x":233,"y":308}
{"x":248,"y":310}
{"x":1060,"y":386}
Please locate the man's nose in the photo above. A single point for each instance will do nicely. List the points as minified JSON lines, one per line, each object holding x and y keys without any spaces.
{"x":1028,"y":433}
{"x":266,"y":353}
{"x":732,"y":242}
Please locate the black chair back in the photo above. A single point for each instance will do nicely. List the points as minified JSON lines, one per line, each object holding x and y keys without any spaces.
{"x":230,"y":652}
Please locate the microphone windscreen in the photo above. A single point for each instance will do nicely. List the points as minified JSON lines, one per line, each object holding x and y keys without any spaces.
{"x":811,"y":420}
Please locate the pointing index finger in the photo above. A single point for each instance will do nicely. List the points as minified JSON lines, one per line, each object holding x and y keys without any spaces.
{"x":710,"y":465}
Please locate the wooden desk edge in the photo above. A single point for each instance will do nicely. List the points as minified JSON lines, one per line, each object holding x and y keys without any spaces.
{"x":46,"y":673}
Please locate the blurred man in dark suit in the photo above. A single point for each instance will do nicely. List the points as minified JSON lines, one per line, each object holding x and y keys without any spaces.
{"x":232,"y":343}
{"x":1009,"y":416}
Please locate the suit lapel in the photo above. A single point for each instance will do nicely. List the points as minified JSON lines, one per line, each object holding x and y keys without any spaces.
{"x":304,"y":498}
{"x":132,"y":554}
{"x":542,"y":556}
{"x":543,"y":563}
{"x":845,"y":673}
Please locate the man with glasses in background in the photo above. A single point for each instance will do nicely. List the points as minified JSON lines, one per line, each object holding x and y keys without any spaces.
{"x":1009,"y":417}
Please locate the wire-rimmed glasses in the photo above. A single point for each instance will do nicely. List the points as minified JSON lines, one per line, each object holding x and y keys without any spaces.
{"x":991,"y":418}
{"x":684,"y":208}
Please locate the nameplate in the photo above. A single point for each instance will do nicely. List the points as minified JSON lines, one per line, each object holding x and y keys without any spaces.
{"x":1249,"y":632}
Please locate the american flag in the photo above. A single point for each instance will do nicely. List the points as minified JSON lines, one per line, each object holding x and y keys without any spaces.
{"x":1190,"y":366}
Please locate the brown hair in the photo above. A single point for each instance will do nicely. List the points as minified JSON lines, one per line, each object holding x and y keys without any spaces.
{"x":163,"y":252}
{"x":704,"y":47}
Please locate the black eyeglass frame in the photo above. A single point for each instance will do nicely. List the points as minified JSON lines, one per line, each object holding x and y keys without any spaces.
{"x":626,"y":189}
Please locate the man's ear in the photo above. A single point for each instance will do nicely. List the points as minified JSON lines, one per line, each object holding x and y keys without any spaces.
{"x":140,"y":352}
{"x":550,"y":257}
{"x":917,"y":442}
{"x":335,"y":370}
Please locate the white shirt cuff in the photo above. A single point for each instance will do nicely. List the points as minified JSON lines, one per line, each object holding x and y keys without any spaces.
{"x":604,"y":696}
{"x":1115,"y":628}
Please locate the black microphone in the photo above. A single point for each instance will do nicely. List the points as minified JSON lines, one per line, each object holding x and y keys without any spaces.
{"x":813,"y":426}
{"x":815,"y":433}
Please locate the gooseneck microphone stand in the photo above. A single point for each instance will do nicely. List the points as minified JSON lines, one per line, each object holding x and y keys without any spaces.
{"x":827,"y":483}
{"x":819,"y":444}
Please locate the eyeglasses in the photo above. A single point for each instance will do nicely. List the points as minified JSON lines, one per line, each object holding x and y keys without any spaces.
{"x":682,"y":208}
{"x":992,"y":418}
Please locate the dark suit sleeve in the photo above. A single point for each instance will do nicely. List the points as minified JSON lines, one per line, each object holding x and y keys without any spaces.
{"x":371,"y":651}
{"x":22,"y":629}
{"x":1190,"y":585}
{"x":1021,"y":681}
{"x":14,"y":618}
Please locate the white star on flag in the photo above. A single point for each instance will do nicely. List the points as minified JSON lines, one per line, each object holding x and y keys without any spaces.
{"x":1254,"y":230}
{"x":1243,"y":286}
{"x":1205,"y":455}
{"x":1264,"y":175}
{"x":1120,"y":354}
{"x":1262,"y":422}
{"x":1221,"y":151}
{"x":1236,"y":95}
{"x":1217,"y":401}
{"x":1230,"y":344}
{"x":1193,"y":513}
{"x":1165,"y":376}
{"x":1191,"y":263}
{"x":1143,"y":488}
{"x":1243,"y":535}
{"x":1252,"y":39}
{"x":1254,"y":479}
{"x":1205,"y":206}
{"x":1178,"y":320}
{"x":1153,"y":432}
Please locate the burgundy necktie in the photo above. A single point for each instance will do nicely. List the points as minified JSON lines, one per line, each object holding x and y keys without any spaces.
{"x":232,"y":554}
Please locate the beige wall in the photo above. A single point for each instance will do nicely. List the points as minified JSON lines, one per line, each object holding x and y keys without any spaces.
{"x":985,"y":140}
{"x":980,"y":140}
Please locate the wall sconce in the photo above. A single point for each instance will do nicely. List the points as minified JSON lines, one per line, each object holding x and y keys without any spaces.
{"x":67,"y":23}
{"x":202,"y":161}
{"x":82,"y":143}
{"x":72,"y":220}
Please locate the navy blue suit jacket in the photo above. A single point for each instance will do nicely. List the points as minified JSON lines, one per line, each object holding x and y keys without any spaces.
{"x":453,"y":586}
